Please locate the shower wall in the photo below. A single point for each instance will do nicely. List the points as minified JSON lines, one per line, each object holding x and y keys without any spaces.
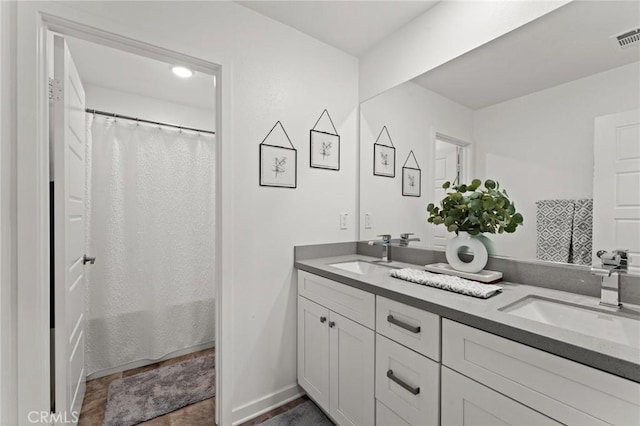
{"x":150,"y":215}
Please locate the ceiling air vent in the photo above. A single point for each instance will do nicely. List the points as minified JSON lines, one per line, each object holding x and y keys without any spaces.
{"x":628,"y":38}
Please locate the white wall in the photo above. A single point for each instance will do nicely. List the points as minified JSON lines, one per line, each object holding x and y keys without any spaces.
{"x":154,"y":109}
{"x":412,"y":115}
{"x":277,"y":73}
{"x":444,"y":32}
{"x":540,"y":146}
{"x":8,"y":300}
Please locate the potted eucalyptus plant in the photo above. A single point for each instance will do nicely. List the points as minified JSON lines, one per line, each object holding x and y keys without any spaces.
{"x":470,"y":211}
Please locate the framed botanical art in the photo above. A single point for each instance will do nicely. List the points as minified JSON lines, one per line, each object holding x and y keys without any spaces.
{"x":411,"y":178}
{"x":384,"y":156}
{"x":278,"y":164}
{"x":324,"y":151}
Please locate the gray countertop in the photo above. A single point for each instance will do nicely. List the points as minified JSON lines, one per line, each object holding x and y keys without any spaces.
{"x":484,"y":314}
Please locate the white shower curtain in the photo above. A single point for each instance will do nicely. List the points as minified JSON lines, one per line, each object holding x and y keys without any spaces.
{"x":150,"y":216}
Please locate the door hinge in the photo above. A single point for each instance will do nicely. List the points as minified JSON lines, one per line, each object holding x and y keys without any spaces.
{"x":55,"y":89}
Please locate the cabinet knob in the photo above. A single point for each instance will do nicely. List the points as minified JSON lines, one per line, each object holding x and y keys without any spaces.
{"x":332,"y":324}
{"x":323,"y":319}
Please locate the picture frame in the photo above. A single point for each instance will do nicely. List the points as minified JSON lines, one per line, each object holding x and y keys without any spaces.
{"x":411,"y":182}
{"x":324,"y":152}
{"x":384,"y":156}
{"x":411,"y":178}
{"x":278,"y":165}
{"x":324,"y":146}
{"x":384,"y":161}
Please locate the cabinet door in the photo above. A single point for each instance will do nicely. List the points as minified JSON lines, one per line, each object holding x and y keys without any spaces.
{"x":352,"y":370}
{"x":313,"y":350}
{"x":466,"y":402}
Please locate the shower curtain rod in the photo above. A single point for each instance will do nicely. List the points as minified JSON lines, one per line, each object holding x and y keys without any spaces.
{"x":140,"y":120}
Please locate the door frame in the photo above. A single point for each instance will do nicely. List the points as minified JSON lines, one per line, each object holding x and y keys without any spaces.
{"x":35,"y":21}
{"x":467,"y":166}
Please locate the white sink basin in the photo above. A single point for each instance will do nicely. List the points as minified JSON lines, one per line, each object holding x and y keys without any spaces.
{"x":620,"y":327}
{"x":361,"y":267}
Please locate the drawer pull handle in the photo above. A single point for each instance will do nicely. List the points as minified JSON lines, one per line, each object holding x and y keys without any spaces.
{"x":401,"y":324}
{"x":323,"y":319}
{"x":413,"y":390}
{"x":332,"y":324}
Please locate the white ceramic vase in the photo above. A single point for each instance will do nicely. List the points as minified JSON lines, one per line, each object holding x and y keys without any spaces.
{"x":473,"y":244}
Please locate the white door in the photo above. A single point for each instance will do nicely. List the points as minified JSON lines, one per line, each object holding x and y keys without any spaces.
{"x":616,"y":185}
{"x":445,"y":169}
{"x":68,"y":128}
{"x":352,"y":372}
{"x":313,"y":350}
{"x":468,"y":403}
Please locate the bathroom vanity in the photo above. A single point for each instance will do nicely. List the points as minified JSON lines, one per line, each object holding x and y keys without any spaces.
{"x":377,"y":350}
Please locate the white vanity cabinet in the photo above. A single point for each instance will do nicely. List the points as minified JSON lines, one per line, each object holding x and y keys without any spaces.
{"x":563,"y":390}
{"x":369,"y":360}
{"x":335,"y":349}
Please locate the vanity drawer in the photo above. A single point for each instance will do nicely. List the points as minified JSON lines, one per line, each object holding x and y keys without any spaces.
{"x":412,"y":327}
{"x":407,"y":382}
{"x":386,"y":417}
{"x":564,"y":390}
{"x":468,"y":403}
{"x":353,"y":303}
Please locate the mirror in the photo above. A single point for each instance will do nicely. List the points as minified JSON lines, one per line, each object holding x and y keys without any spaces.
{"x":521,"y":110}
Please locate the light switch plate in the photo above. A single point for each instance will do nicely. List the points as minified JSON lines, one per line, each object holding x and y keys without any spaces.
{"x":343,"y":220}
{"x":367,"y":221}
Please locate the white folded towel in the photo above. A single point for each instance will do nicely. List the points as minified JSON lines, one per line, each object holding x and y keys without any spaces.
{"x":447,"y":282}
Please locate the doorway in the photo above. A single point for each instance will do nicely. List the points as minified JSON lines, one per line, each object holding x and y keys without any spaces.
{"x":133,"y":225}
{"x":450,"y":163}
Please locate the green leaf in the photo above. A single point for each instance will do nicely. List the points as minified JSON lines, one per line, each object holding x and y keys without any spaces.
{"x":430,"y":207}
{"x":446,"y":185}
{"x":452,"y":228}
{"x":517,"y":218}
{"x":489,"y":184}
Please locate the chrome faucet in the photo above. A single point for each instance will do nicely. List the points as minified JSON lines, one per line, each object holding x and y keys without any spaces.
{"x":612,"y":265}
{"x":385,"y":242}
{"x":405,"y":239}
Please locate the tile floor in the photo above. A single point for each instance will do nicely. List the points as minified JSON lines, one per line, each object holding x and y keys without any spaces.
{"x":95,"y":400}
{"x":266,"y":416}
{"x":198,"y":414}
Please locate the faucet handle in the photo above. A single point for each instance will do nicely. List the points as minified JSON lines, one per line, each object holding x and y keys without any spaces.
{"x":385,"y":237}
{"x":616,"y":258}
{"x":406,"y":235}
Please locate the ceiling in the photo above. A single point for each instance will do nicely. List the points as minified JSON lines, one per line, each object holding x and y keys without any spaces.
{"x":351,"y":26}
{"x":569,"y":43}
{"x":119,"y":70}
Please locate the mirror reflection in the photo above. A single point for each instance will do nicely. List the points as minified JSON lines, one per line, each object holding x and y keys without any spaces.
{"x":550,"y":111}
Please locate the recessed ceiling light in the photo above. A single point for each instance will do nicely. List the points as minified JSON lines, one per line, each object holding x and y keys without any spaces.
{"x":182,"y":72}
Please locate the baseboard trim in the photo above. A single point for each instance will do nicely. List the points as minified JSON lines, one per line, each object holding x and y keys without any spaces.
{"x":269,"y":402}
{"x":143,"y":362}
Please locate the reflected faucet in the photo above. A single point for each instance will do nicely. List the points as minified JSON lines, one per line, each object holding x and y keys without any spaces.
{"x":405,"y":239}
{"x":612,"y":265}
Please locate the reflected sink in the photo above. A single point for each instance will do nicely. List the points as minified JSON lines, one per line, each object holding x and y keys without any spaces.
{"x":621,"y":327}
{"x":361,"y":267}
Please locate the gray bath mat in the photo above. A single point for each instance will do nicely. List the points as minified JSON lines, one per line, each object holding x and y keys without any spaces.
{"x":305,"y":414}
{"x":147,"y":395}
